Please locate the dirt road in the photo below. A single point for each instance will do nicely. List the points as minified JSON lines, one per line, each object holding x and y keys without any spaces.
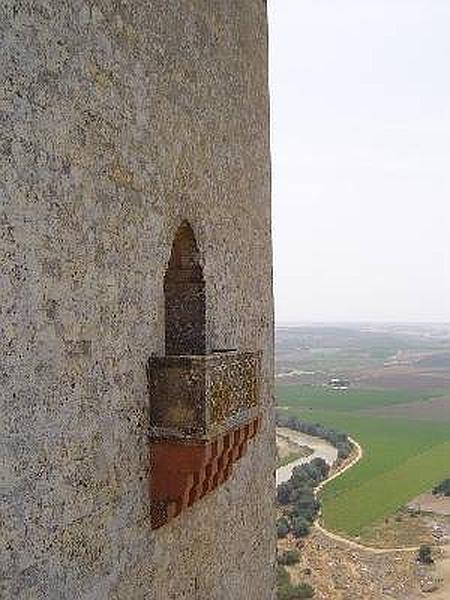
{"x":338,"y":538}
{"x":325,"y":450}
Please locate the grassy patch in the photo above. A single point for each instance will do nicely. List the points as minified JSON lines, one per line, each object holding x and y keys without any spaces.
{"x":402,"y":457}
{"x":323,"y":398}
{"x":381,"y":495}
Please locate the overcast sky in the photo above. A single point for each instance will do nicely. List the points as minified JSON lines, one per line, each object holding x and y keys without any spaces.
{"x":360,"y":93}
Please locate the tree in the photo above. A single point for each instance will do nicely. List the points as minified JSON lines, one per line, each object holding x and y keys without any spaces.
{"x":284,"y":493}
{"x":300,"y":527}
{"x":424,"y":555}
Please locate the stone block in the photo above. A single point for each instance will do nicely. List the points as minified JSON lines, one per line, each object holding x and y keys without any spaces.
{"x":203,"y":396}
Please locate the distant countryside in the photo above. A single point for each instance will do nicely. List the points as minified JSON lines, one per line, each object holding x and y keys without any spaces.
{"x":388,"y":387}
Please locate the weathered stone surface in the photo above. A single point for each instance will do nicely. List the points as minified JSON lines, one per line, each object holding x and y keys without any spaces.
{"x":119,"y":121}
{"x":201,"y":397}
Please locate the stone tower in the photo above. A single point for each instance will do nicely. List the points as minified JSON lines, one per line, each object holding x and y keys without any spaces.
{"x":136,"y":304}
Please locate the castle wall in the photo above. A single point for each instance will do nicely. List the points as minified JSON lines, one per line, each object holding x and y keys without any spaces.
{"x":119,"y":120}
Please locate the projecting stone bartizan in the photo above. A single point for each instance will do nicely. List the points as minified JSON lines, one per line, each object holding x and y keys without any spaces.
{"x":204,"y":411}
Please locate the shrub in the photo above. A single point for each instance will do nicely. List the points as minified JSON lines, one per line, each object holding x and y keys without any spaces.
{"x":282,"y":527}
{"x":289,"y":557}
{"x":442,"y":488}
{"x":287,"y":591}
{"x":283,"y":577}
{"x":303,"y":590}
{"x":424,"y":555}
{"x":283,"y":583}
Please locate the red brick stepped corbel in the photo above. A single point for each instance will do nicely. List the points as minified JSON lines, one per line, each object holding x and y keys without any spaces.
{"x":184,"y":471}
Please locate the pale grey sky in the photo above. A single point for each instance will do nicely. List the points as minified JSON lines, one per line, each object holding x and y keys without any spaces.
{"x":360,"y":105}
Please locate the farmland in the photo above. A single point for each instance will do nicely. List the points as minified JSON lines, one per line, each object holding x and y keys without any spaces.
{"x":403,"y":425}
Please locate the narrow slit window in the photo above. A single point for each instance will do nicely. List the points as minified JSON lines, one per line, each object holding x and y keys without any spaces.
{"x":184,"y":293}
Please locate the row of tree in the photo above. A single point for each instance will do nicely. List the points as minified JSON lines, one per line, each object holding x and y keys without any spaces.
{"x":336,"y":438}
{"x":296,"y":496}
{"x":300,"y":507}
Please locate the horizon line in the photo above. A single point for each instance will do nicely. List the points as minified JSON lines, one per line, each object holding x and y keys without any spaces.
{"x":355,"y":322}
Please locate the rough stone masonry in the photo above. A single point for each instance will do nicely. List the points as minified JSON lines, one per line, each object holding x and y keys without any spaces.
{"x":119,"y":121}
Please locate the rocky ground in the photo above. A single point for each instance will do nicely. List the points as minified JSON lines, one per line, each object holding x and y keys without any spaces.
{"x":337,"y":573}
{"x":406,"y":528}
{"x":432,"y":503}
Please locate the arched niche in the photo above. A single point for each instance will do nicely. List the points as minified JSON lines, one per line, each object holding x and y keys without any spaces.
{"x":184,"y":294}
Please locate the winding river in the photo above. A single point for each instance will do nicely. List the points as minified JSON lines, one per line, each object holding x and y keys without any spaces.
{"x":321,"y":449}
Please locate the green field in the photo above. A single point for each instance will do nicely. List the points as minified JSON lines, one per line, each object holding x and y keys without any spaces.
{"x":323,"y":398}
{"x":402,"y":457}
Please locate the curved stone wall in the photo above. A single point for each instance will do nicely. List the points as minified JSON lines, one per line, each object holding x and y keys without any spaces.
{"x":119,"y":121}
